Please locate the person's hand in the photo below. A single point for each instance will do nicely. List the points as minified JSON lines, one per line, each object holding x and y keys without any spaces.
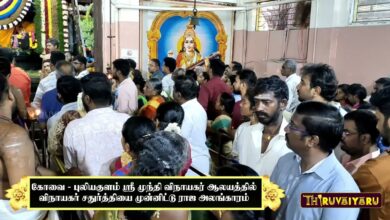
{"x":206,"y":62}
{"x":33,"y":113}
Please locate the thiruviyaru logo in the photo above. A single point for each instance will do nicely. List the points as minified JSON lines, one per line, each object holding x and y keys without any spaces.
{"x":272,"y":194}
{"x":341,"y":200}
{"x":19,"y":194}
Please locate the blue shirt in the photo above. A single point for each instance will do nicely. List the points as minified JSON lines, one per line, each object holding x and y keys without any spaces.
{"x":381,"y":146}
{"x":158,"y":75}
{"x":327,"y":176}
{"x":50,"y":105}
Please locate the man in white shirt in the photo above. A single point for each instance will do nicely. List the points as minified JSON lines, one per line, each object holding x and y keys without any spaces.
{"x":91,"y":143}
{"x":48,"y":83}
{"x":167,"y":82}
{"x":288,"y":70}
{"x":80,"y":65}
{"x":194,"y":124}
{"x":265,"y":142}
{"x":126,"y":95}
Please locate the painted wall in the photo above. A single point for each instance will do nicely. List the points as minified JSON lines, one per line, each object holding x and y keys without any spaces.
{"x":148,"y":17}
{"x":125,"y":31}
{"x":129,"y":29}
{"x":359,"y":53}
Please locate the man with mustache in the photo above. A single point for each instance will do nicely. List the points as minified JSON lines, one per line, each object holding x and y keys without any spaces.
{"x":266,"y":143}
{"x":319,"y":83}
{"x":373,"y":176}
{"x":359,"y":139}
{"x":314,"y":131}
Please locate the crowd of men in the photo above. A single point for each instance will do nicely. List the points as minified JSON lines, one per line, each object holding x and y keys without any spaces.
{"x":307,"y":132}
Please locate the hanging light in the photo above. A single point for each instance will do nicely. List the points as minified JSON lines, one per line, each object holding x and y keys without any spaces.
{"x":194,"y":19}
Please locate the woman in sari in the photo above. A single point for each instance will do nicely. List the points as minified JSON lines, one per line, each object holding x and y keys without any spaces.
{"x":152,"y":91}
{"x":224,"y":106}
{"x":134,"y":128}
{"x":170,"y":116}
{"x":151,"y":159}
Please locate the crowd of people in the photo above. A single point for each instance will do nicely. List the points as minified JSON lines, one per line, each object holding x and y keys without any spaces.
{"x":307,"y":132}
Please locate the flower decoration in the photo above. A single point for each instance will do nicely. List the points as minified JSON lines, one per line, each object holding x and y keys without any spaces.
{"x":272,"y":194}
{"x":173,"y":127}
{"x":19,"y":194}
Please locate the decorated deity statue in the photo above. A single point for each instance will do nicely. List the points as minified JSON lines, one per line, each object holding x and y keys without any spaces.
{"x":188,"y":47}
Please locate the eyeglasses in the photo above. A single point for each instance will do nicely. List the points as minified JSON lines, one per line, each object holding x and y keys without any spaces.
{"x":347,"y":133}
{"x":292,"y":127}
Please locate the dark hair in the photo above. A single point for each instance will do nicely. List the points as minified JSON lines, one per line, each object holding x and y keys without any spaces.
{"x":365,"y":123}
{"x":236,"y":66}
{"x":227,"y":101}
{"x":3,"y":87}
{"x":62,"y":63}
{"x":206,"y":76}
{"x":251,"y":97}
{"x":271,"y":84}
{"x":5,"y":66}
{"x":156,"y":84}
{"x":56,"y":56}
{"x":381,"y":100}
{"x":383,"y":81}
{"x":68,"y":87}
{"x":135,"y":128}
{"x":170,"y":63}
{"x":169,"y":112}
{"x":192,"y":74}
{"x":46,"y":61}
{"x":53,"y":42}
{"x":163,"y":154}
{"x":323,"y":76}
{"x":358,"y":90}
{"x":156,"y":61}
{"x":217,"y":66}
{"x":232,"y":79}
{"x":236,"y":170}
{"x":139,"y":214}
{"x":139,"y":80}
{"x":187,"y":87}
{"x":7,"y":54}
{"x":322,"y":120}
{"x":97,"y":87}
{"x":81,"y":59}
{"x":123,"y":66}
{"x":132,"y":63}
{"x":248,"y":77}
{"x":344,"y":88}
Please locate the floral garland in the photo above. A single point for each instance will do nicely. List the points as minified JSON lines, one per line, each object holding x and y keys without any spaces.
{"x":38,"y":25}
{"x":51,"y":22}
